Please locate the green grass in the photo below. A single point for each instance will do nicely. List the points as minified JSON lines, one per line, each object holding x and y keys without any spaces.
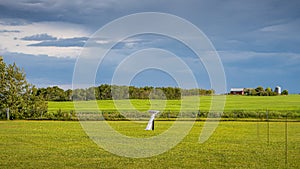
{"x":58,"y":144}
{"x":233,"y":103}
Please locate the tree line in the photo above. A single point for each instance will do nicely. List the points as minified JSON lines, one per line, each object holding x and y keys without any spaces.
{"x":260,"y":91}
{"x":109,"y":92}
{"x":22,"y":100}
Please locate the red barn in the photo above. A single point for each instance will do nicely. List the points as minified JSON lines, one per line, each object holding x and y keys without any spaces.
{"x":237,"y":91}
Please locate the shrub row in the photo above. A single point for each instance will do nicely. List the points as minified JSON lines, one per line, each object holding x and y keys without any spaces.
{"x":113,"y":115}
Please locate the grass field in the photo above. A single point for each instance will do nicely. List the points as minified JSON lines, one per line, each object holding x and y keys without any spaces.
{"x":59,"y":144}
{"x":234,"y":144}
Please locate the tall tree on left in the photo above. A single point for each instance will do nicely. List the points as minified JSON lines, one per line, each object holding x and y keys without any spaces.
{"x":17,"y":95}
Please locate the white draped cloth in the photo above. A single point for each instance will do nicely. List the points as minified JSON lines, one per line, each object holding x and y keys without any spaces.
{"x":150,"y":123}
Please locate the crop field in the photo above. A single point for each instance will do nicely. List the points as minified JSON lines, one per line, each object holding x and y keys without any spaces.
{"x":64,"y":144}
{"x":250,"y":103}
{"x":235,"y":106}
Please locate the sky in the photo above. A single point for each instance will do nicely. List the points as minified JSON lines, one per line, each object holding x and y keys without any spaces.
{"x":258,"y":41}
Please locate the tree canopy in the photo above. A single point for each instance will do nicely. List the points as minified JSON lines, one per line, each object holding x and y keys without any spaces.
{"x":18,"y":96}
{"x":260,"y":91}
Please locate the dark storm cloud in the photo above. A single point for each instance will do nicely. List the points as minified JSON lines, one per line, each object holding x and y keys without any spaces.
{"x":220,"y":19}
{"x":224,"y":22}
{"x":77,"y":11}
{"x":236,"y":28}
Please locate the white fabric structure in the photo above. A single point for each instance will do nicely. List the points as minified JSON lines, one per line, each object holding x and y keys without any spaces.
{"x":150,"y":125}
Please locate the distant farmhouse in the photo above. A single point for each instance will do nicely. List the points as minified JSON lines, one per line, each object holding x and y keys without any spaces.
{"x":237,"y":91}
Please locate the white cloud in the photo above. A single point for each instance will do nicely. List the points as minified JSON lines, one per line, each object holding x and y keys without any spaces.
{"x":11,"y":39}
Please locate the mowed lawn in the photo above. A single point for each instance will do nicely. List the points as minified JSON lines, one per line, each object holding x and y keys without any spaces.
{"x":64,"y":144}
{"x":233,"y":103}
